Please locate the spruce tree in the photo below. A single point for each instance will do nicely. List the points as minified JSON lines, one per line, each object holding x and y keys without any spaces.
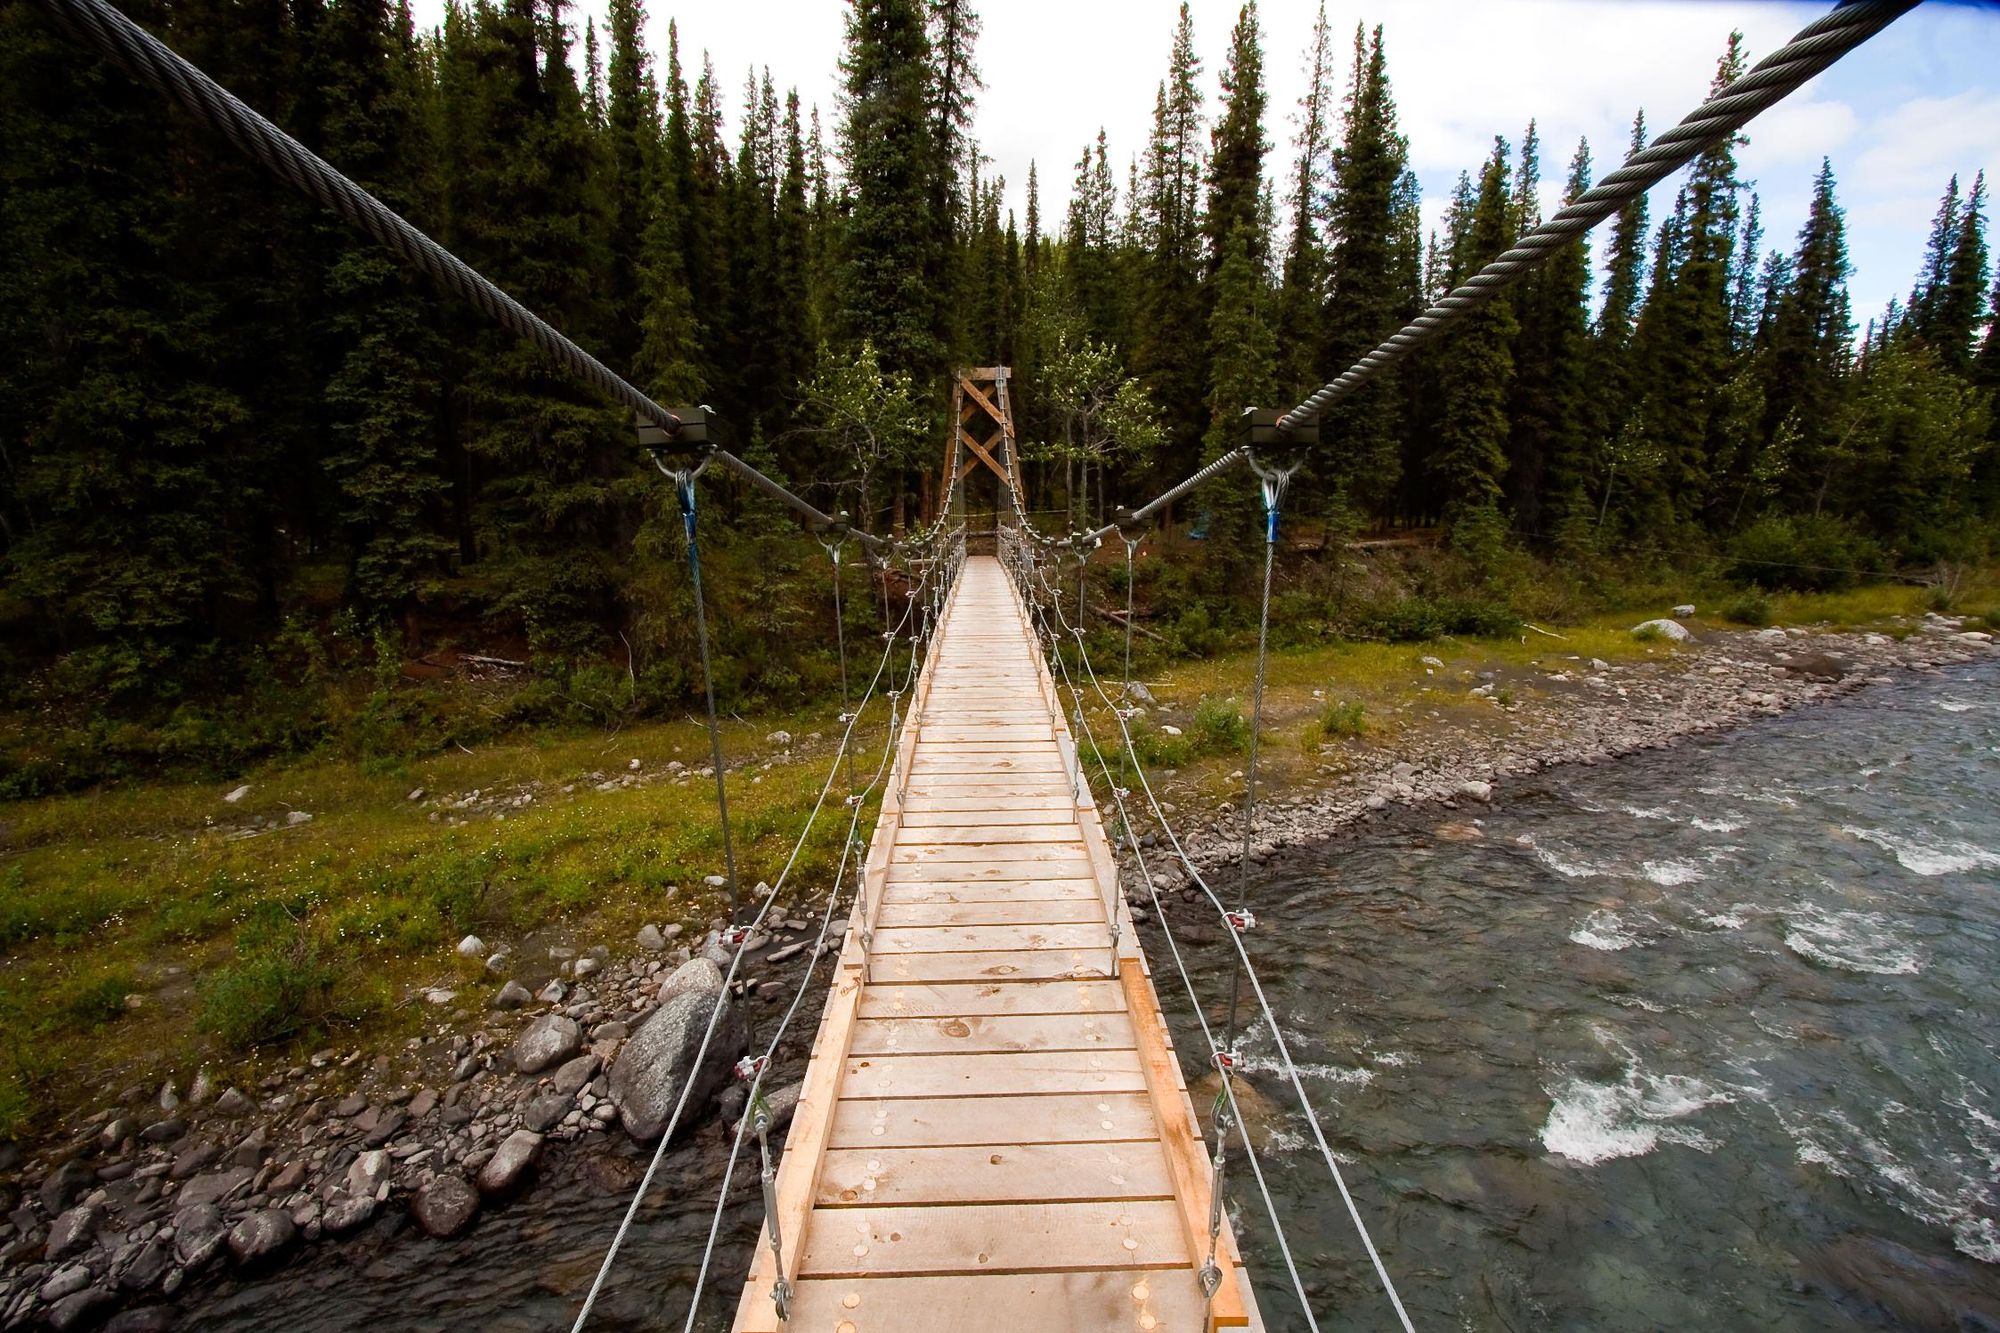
{"x":1936,"y":272}
{"x":1237,"y":147}
{"x":1545,"y":470}
{"x":634,"y":183}
{"x":1301,"y":292}
{"x":383,"y":394}
{"x":1952,"y":327}
{"x":1477,"y":371}
{"x":1811,"y":332}
{"x":1168,"y":345}
{"x":1362,"y":303}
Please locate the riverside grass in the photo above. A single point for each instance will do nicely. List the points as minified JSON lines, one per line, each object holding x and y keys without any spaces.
{"x":242,"y":952}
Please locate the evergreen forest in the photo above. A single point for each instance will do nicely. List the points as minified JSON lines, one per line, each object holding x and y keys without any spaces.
{"x":256,"y":477}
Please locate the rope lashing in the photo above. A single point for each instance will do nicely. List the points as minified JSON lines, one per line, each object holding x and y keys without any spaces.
{"x":684,"y":492}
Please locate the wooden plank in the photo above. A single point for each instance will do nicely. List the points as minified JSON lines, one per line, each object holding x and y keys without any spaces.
{"x":990,"y":890}
{"x":1020,"y":997}
{"x":993,"y":853}
{"x":1004,"y":1238}
{"x":993,"y":1173}
{"x":938,"y":1122}
{"x":985,"y":1033}
{"x":1144,"y":1301}
{"x":971,"y":872}
{"x":1040,"y":911}
{"x":1037,"y":965}
{"x":1005,"y":834}
{"x":982,"y":815}
{"x":990,"y":939}
{"x":976,"y":1075}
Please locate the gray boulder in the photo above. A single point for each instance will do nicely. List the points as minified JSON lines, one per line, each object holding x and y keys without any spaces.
{"x":217,"y":1187}
{"x":64,"y":1186}
{"x":503,"y":1173}
{"x":445,"y":1205}
{"x":658,"y":1063}
{"x":697,"y":976}
{"x":650,"y":939}
{"x":545,"y":1112}
{"x":366,"y":1174}
{"x":262,"y":1236}
{"x":569,"y":1080}
{"x":199,"y":1234}
{"x":1671,"y":630}
{"x":549,"y":1040}
{"x":73,"y":1232}
{"x":344,"y":1212}
{"x":82,"y":1310}
{"x":512,"y":996}
{"x":149,"y":1267}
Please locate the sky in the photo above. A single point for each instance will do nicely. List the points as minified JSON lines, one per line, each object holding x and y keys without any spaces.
{"x":1896,"y":117}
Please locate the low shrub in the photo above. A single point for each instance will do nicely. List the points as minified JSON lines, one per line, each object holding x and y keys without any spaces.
{"x":1749,"y":607}
{"x":1218,"y":727}
{"x":277,"y":987}
{"x":1810,"y":553}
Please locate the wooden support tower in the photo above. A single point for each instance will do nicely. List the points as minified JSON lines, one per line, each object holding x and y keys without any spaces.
{"x":994,"y":1133}
{"x":982,"y":432}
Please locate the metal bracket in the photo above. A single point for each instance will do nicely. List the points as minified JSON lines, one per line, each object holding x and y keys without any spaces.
{"x":750,"y":1066}
{"x":1241,"y":920}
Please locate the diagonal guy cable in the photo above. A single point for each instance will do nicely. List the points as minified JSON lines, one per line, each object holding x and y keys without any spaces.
{"x":100,"y":26}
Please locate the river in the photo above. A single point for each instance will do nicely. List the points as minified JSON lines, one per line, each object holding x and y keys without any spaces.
{"x":1702,"y":1038}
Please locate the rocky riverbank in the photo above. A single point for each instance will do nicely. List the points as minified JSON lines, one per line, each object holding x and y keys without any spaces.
{"x":1566,"y":710}
{"x":574,"y":1053}
{"x":105,"y":1227}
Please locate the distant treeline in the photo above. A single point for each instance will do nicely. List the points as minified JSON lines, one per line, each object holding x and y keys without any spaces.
{"x":226,"y":420}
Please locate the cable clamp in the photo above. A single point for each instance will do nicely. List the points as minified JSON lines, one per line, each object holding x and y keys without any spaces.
{"x":1121,"y":792}
{"x":1228,"y":1061}
{"x":854,"y":799}
{"x":750,"y":1066}
{"x":845,"y":718}
{"x":1241,"y":920}
{"x":732,"y":937}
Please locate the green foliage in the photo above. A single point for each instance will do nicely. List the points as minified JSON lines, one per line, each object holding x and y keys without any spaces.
{"x":1416,"y":619}
{"x":278,"y":985}
{"x":1810,"y":553}
{"x":1337,"y":720}
{"x":1217,"y":727}
{"x":1750,"y":607}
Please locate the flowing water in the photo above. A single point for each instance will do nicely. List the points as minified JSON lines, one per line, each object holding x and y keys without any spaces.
{"x":1706,"y":1038}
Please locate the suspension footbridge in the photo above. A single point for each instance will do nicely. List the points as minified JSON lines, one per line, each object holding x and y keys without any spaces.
{"x":995,"y":1129}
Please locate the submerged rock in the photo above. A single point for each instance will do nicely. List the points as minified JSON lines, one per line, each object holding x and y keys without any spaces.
{"x":445,"y":1205}
{"x":658,"y":1062}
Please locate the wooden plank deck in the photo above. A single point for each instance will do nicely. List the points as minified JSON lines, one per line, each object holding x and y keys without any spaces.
{"x":994,"y":1132}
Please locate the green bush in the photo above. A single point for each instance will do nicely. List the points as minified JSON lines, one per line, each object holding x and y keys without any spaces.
{"x":1812,"y":553}
{"x":95,"y":1000}
{"x":279,"y":985}
{"x":1218,"y":727}
{"x":1342,"y":719}
{"x":1415,"y":619}
{"x":1749,"y":607}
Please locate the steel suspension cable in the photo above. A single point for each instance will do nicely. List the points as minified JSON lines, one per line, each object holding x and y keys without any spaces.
{"x":1813,"y":51}
{"x":102,"y":27}
{"x":715,"y":1013}
{"x":1289,"y":1066}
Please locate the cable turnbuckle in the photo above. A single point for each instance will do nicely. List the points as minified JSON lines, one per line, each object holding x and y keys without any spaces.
{"x":1241,"y":920}
{"x":750,"y":1066}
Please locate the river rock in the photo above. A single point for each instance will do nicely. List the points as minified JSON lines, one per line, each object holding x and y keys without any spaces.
{"x":262,"y":1236}
{"x":344,"y":1212}
{"x":199,"y":1234}
{"x":148,"y":1267}
{"x":66,"y":1282}
{"x":569,"y":1080}
{"x":1475,"y":790}
{"x":697,"y":976}
{"x":1684,"y":610}
{"x":64,"y":1186}
{"x":367,"y":1173}
{"x":512,"y":996}
{"x":545,"y":1112}
{"x":548,"y":1040}
{"x":73,"y":1232}
{"x":215,"y":1187}
{"x":232,"y":797}
{"x":232,"y":1102}
{"x":1671,"y":630}
{"x":503,"y":1173}
{"x":80,"y":1311}
{"x":151,"y":1319}
{"x":472,"y":947}
{"x":445,"y":1205}
{"x":653,"y":1067}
